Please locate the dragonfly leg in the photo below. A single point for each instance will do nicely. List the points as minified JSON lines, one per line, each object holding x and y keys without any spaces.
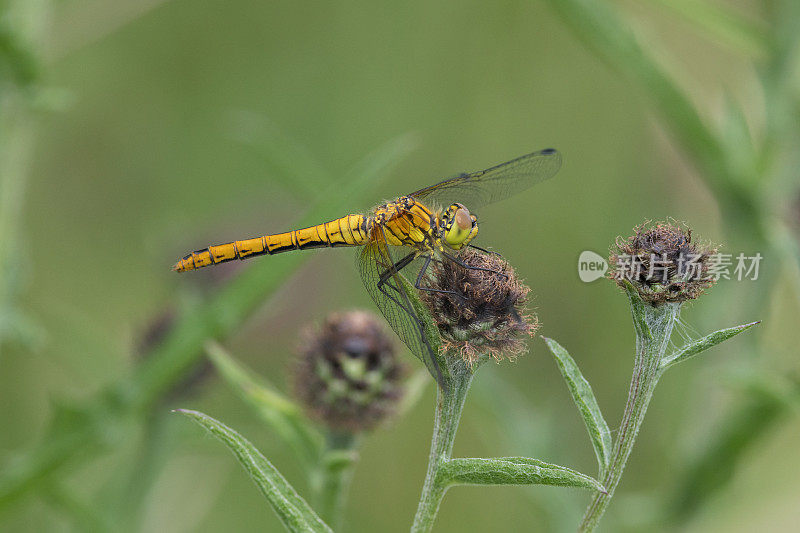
{"x":386,"y":278}
{"x":484,"y":250}
{"x":463,"y":264}
{"x":397,"y":267}
{"x":418,"y":283}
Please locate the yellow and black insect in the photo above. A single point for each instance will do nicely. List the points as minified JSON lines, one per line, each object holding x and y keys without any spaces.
{"x":427,"y":225}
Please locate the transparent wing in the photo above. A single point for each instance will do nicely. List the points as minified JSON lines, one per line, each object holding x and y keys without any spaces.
{"x":477,"y":189}
{"x":375,"y":261}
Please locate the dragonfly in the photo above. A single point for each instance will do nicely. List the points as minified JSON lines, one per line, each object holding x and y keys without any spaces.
{"x":405,"y":234}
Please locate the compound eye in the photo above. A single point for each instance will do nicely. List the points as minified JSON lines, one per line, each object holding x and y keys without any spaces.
{"x":463,"y":219}
{"x":459,"y":230}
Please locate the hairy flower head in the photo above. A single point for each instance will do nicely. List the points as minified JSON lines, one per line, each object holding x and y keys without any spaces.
{"x":348,"y":375}
{"x":484,"y":312}
{"x":662,"y":263}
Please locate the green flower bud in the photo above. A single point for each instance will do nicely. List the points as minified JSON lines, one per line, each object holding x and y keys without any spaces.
{"x":348,"y":375}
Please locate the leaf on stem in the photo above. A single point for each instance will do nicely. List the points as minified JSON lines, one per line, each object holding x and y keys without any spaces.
{"x":700,"y":345}
{"x":293,"y":510}
{"x":584,"y":399}
{"x":277,"y":411}
{"x":339,"y":460}
{"x":512,"y":471}
{"x":431,"y":333}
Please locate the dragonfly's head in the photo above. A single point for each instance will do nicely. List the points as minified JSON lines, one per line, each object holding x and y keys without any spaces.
{"x":458,"y":226}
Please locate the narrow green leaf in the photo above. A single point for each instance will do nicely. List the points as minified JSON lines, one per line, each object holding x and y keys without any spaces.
{"x":741,"y":429}
{"x":781,"y":388}
{"x":723,"y":22}
{"x":700,"y":345}
{"x":18,"y":57}
{"x":584,"y":399}
{"x":84,"y":516}
{"x":279,"y":412}
{"x":383,"y":159}
{"x":431,"y":332}
{"x":296,"y":168}
{"x":599,"y":24}
{"x":738,"y":141}
{"x":293,"y":510}
{"x":513,"y":471}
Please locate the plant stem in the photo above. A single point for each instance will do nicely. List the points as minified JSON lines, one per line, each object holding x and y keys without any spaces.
{"x":448,"y":413}
{"x":653,"y":330}
{"x":334,"y":475}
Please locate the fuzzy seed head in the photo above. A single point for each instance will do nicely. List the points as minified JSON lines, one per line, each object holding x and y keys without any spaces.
{"x":348,"y":375}
{"x":487,"y":314}
{"x":663,"y":263}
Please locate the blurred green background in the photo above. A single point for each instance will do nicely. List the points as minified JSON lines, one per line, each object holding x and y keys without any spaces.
{"x":165,"y":126}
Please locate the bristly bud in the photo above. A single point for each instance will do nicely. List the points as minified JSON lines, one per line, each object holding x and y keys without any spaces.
{"x":348,"y":375}
{"x":662,"y":263}
{"x":484,"y":314}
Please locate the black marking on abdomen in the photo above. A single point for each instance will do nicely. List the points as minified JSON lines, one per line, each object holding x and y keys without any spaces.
{"x":282,"y":248}
{"x":311,"y":243}
{"x":349,"y":229}
{"x":327,"y":235}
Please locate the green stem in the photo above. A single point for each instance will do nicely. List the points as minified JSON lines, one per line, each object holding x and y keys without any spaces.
{"x":85,"y":517}
{"x":448,"y":413}
{"x":653,"y":330}
{"x":333,"y":476}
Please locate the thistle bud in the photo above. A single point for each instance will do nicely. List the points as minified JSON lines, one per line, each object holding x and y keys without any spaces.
{"x":662,"y":263}
{"x":484,"y":311}
{"x":348,"y":375}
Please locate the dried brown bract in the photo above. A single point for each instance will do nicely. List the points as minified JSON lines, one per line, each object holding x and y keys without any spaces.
{"x":485,"y":313}
{"x":663,"y":263}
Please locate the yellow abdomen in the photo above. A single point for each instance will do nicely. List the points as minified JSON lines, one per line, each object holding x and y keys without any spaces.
{"x":350,"y":230}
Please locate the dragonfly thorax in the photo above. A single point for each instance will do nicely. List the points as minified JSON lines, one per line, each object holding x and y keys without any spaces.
{"x":458,"y":226}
